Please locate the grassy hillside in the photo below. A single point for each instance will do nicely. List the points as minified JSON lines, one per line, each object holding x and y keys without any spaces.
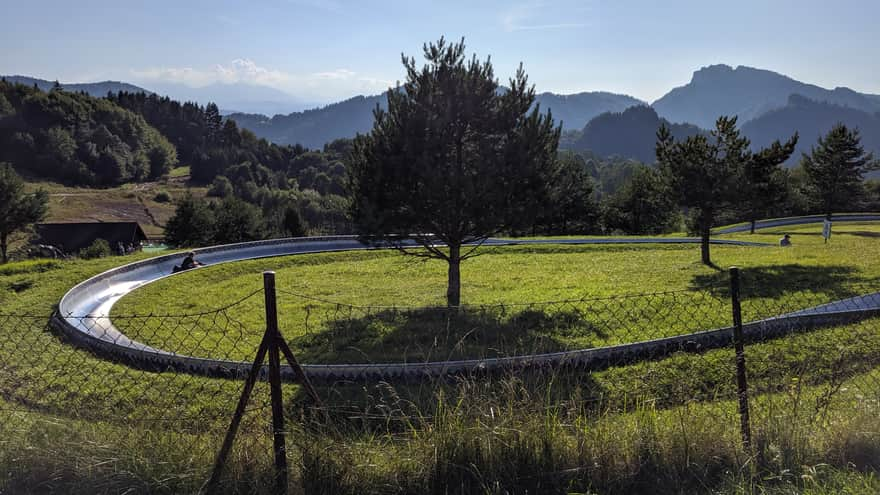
{"x":128,"y":202}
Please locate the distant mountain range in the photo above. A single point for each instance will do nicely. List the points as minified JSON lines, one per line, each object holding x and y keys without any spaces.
{"x":231,"y":98}
{"x":713,"y":91}
{"x":632,"y":133}
{"x":811,"y":119}
{"x":314,"y":128}
{"x":236,"y":98}
{"x":748,"y":93}
{"x":574,"y":111}
{"x":769,"y":106}
{"x":98,"y":89}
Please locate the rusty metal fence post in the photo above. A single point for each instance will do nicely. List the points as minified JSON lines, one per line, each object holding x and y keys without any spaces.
{"x":742,"y":384}
{"x":279,"y":448}
{"x":272,"y":344}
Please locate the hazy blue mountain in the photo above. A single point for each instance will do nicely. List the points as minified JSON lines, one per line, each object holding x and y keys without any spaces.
{"x":811,"y":119}
{"x":575,"y":110}
{"x":628,"y":134}
{"x":314,"y":128}
{"x":236,"y":98}
{"x":98,"y":89}
{"x":747,"y":92}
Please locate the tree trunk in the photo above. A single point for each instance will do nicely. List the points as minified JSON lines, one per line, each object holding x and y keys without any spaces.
{"x":3,"y":247}
{"x":453,"y":290}
{"x":753,"y":222}
{"x":704,"y":245}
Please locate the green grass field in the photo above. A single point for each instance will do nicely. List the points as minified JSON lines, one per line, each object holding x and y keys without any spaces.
{"x":75,"y":423}
{"x":521,"y":278}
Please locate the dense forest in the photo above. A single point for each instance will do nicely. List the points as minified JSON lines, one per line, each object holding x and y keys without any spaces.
{"x":78,"y":139}
{"x":238,"y":164}
{"x":81,"y":140}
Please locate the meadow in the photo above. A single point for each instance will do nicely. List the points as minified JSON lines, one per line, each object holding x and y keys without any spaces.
{"x":379,"y":306}
{"x":75,"y":423}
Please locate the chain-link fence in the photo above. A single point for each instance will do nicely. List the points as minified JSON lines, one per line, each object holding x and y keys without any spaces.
{"x":581,"y":393}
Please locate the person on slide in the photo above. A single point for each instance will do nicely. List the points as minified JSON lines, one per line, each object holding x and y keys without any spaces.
{"x":188,"y":263}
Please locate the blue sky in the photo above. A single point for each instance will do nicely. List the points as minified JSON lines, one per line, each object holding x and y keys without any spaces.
{"x":323,"y":51}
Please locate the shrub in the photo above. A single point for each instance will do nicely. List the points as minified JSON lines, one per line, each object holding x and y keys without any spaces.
{"x":98,"y":249}
{"x":162,"y":197}
{"x":221,"y":187}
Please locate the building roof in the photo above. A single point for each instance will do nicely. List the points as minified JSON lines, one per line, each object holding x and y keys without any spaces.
{"x":71,"y":237}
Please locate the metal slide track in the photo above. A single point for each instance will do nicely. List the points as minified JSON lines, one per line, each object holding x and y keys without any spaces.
{"x":83,"y":317}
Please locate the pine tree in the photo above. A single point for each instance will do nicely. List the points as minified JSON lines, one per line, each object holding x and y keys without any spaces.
{"x":763,"y":185}
{"x":17,"y":209}
{"x":453,"y":160}
{"x":835,"y":169}
{"x":213,"y":121}
{"x":293,"y":222}
{"x":703,"y":172}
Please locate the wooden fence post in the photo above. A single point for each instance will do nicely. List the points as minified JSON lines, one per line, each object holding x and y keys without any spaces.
{"x":275,"y":384}
{"x":742,"y":384}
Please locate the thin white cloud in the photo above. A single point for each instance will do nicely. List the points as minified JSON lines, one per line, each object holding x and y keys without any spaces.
{"x":540,"y":15}
{"x":325,"y":85}
{"x":336,"y":74}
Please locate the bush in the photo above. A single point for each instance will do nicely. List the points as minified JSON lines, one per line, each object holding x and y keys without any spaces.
{"x":98,"y":249}
{"x":162,"y":197}
{"x":221,"y":187}
{"x":192,"y":223}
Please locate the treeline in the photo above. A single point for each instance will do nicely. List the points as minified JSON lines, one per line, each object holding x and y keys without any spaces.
{"x":200,"y":222}
{"x":618,"y":196}
{"x":78,"y":139}
{"x":204,"y":140}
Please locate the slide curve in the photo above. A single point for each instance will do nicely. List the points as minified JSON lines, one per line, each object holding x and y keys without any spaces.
{"x":83,"y":317}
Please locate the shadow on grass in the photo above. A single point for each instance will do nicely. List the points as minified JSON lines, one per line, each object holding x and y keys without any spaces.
{"x":863,"y":233}
{"x":781,"y":280}
{"x":440,"y":334}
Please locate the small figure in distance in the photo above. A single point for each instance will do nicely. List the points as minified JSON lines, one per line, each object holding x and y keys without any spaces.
{"x":188,"y":263}
{"x":785,"y":241}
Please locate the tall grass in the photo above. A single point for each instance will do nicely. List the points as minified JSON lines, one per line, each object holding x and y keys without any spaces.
{"x":509,"y":438}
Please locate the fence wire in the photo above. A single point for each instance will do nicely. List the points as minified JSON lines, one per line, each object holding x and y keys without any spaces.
{"x":812,"y":363}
